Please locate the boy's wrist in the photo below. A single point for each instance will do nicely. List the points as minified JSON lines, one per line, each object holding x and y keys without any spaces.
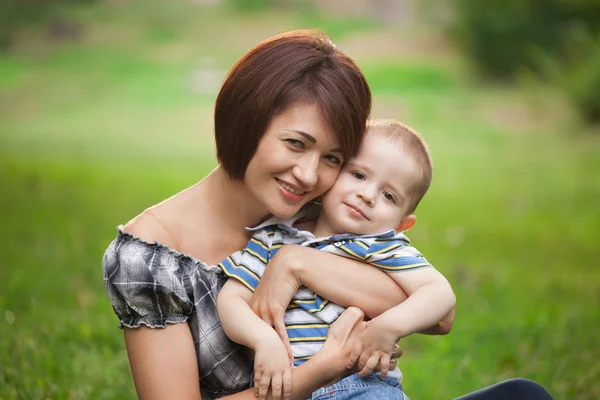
{"x":389,"y":326}
{"x":261,"y":336}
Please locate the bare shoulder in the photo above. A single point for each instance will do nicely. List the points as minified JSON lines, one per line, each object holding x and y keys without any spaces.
{"x":151,"y":228}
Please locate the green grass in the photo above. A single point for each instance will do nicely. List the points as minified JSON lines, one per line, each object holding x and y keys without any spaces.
{"x":94,"y":132}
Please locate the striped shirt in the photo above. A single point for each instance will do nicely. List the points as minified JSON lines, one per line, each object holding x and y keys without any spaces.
{"x":309,"y":316}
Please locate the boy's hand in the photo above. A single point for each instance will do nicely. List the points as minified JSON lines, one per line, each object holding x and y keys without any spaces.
{"x":375,"y":349}
{"x":272,"y":368}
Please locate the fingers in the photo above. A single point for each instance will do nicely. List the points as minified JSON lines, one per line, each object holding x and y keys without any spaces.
{"x":397,"y":353}
{"x":392,"y":364}
{"x":287,"y":384}
{"x":276,"y":386}
{"x":354,"y":355}
{"x":369,"y":366}
{"x":263,"y":386}
{"x":344,"y":325}
{"x":257,"y":377}
{"x":385,"y":365}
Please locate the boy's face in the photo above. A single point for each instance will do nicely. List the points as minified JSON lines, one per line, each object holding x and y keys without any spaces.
{"x":372,"y":193}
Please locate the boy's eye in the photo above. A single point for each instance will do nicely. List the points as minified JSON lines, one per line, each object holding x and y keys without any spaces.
{"x":298,"y":144}
{"x":389,"y":196}
{"x":333,"y":159}
{"x":358,"y":175}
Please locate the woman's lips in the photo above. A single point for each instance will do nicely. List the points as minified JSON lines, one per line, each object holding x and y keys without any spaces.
{"x":289,"y":191}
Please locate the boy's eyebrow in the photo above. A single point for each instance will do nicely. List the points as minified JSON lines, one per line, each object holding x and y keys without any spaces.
{"x":359,"y":165}
{"x":311,"y":139}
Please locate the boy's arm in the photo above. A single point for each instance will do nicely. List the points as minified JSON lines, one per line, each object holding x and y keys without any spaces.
{"x":237,"y":318}
{"x":294,"y":266}
{"x":443,"y":327}
{"x":272,"y":361}
{"x":430,"y":300}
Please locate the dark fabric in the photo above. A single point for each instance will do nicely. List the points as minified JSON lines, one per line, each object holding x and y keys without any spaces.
{"x":151,"y":284}
{"x":512,"y":389}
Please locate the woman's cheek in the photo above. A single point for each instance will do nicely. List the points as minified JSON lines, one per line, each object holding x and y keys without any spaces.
{"x":328,"y":180}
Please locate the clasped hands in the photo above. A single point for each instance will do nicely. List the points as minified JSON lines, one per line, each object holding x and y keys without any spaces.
{"x":352,"y":345}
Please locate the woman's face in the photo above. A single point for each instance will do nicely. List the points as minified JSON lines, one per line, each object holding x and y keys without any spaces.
{"x":297,"y":159}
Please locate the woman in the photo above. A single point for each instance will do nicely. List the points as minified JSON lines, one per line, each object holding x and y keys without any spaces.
{"x":288,"y":115}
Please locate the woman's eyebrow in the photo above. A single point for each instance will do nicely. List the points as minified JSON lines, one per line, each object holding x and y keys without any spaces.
{"x":311,"y":139}
{"x":308,"y":137}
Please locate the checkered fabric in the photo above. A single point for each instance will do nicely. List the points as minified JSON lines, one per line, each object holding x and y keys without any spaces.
{"x":151,"y":284}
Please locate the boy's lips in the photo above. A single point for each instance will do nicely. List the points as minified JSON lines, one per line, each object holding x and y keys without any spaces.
{"x":357,"y":211}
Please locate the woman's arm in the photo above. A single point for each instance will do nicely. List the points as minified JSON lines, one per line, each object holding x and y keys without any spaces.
{"x":163,"y":361}
{"x":342,"y":280}
{"x":294,"y":266}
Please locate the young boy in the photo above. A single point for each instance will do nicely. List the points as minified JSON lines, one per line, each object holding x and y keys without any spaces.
{"x":362,"y":217}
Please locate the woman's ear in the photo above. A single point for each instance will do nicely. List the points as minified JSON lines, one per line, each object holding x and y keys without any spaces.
{"x":406,"y":223}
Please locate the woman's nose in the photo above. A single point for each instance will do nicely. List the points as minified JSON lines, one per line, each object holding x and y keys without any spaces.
{"x":307,"y":172}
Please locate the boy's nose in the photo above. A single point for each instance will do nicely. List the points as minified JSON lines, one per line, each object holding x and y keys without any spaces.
{"x":366,"y":197}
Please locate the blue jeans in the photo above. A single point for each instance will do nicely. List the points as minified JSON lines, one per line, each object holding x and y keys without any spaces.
{"x":369,"y":388}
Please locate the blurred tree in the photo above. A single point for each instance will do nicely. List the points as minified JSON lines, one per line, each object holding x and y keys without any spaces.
{"x":503,"y":37}
{"x":16,"y":15}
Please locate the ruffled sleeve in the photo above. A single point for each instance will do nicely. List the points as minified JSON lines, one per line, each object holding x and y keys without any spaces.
{"x":147,"y":283}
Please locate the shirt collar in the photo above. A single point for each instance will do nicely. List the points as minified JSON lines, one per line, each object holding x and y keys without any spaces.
{"x":285,"y":224}
{"x":390,"y":235}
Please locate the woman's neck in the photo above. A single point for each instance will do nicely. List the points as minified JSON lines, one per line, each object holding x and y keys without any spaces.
{"x":231,"y":201}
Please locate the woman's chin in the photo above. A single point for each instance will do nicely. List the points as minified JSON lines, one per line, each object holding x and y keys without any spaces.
{"x":285,"y":212}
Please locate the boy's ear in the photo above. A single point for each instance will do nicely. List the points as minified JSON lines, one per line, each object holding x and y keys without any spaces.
{"x":406,"y":223}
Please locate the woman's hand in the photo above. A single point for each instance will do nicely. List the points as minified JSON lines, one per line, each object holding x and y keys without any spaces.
{"x":275,"y":291}
{"x":342,"y":338}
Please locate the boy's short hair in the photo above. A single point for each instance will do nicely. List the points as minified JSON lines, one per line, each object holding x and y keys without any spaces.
{"x":291,"y":68}
{"x":414,"y":146}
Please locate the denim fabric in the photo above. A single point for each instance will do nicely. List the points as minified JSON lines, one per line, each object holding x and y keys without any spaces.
{"x":369,"y":388}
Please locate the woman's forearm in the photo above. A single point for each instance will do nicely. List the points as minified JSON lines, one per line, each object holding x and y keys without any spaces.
{"x":342,"y":280}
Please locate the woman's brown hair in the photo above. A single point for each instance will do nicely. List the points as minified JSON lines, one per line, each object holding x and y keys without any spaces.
{"x":294,"y":67}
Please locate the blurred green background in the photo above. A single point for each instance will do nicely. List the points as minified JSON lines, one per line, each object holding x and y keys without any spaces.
{"x":106,"y":109}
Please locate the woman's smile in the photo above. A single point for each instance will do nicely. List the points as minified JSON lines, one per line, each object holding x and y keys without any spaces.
{"x":289,"y":191}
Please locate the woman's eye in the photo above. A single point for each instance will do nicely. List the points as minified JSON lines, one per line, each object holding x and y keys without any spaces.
{"x":333,"y":159}
{"x":389,"y":196}
{"x":358,"y":175}
{"x":298,"y":144}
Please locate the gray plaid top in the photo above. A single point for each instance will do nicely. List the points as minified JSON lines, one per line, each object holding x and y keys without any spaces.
{"x":154,"y":285}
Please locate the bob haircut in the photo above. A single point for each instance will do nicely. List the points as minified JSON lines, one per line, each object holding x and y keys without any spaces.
{"x":291,"y":68}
